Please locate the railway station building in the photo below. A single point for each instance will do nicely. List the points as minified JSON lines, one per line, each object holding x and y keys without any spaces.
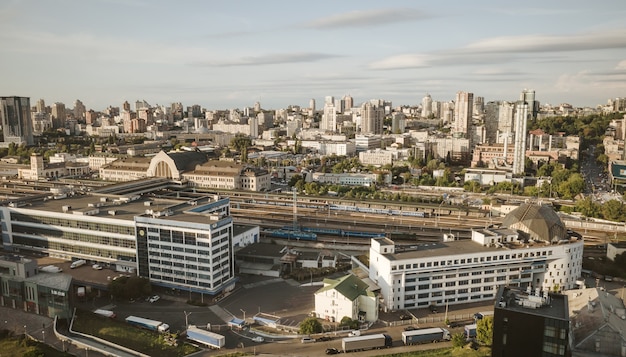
{"x":531,"y":249}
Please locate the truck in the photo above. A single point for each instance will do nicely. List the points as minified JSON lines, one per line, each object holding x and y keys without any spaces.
{"x":435,"y":334}
{"x":366,"y":342}
{"x":51,"y":269}
{"x":205,"y":337}
{"x":105,"y":313}
{"x":78,"y":263}
{"x":151,"y":325}
{"x":470,"y":331}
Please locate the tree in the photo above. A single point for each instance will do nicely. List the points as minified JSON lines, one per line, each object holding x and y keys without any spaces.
{"x":130,"y":287}
{"x":346,"y":321}
{"x":458,"y":340}
{"x":310,"y":325}
{"x":484,"y":330}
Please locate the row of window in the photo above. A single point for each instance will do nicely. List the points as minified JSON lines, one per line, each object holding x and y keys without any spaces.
{"x":55,"y":221}
{"x":483,"y":259}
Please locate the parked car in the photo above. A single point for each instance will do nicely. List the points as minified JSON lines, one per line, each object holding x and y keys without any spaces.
{"x":354,"y":333}
{"x":324,"y":338}
{"x":258,"y":339}
{"x":307,"y":340}
{"x":97,"y":267}
{"x":154,"y":298}
{"x":433,"y":309}
{"x":410,"y":328}
{"x":332,"y":351}
{"x":405,"y":317}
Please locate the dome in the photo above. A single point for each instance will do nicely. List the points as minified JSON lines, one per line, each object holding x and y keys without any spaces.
{"x":537,"y":221}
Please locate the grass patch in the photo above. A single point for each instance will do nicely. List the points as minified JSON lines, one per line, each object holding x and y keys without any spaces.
{"x":445,"y":352}
{"x":21,"y":347}
{"x":118,"y":332}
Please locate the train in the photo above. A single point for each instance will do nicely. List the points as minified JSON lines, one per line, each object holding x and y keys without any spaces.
{"x":291,"y":234}
{"x":336,"y":207}
{"x":335,"y":232}
{"x":389,"y":212}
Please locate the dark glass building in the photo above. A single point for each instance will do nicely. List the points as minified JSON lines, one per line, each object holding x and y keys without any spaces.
{"x":530,"y":323}
{"x":17,"y":125}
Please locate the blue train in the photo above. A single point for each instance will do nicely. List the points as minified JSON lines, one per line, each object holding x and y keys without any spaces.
{"x":291,"y":234}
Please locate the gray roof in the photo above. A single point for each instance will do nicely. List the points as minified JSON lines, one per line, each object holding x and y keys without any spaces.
{"x":187,"y":160}
{"x":537,"y":221}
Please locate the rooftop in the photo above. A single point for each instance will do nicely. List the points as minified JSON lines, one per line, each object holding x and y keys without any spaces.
{"x":542,"y":303}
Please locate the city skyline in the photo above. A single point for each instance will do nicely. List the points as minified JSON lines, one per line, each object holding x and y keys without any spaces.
{"x":225,"y":55}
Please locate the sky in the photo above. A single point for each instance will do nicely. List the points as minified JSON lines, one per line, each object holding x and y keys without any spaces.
{"x":231,"y":54}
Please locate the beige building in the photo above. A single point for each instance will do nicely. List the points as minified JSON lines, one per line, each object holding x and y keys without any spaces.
{"x":38,"y":169}
{"x":190,"y":167}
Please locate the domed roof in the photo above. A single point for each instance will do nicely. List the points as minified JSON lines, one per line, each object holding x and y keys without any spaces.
{"x":537,"y":221}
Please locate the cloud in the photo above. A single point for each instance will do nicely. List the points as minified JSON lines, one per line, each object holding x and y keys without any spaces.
{"x":367,"y":18}
{"x":505,"y":49}
{"x":621,"y":66}
{"x":278,"y":58}
{"x":542,"y":43}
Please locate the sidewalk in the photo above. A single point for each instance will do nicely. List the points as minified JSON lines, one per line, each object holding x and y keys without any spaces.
{"x":40,"y":328}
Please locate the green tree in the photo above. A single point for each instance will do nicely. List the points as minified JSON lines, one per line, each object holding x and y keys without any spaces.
{"x":310,"y":325}
{"x":130,"y":287}
{"x":613,"y":210}
{"x":484,"y":330}
{"x":347,"y":321}
{"x":458,"y":340}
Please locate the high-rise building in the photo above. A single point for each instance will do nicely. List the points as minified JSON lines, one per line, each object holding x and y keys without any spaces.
{"x":312,"y":105}
{"x":528,"y":96}
{"x":58,"y":115}
{"x":41,"y":106}
{"x":329,"y":118}
{"x":479,"y":105}
{"x":17,"y":125}
{"x":372,"y":118}
{"x":126,"y":106}
{"x":463,"y":108}
{"x":79,"y":110}
{"x":427,"y":106}
{"x":347,"y":103}
{"x":521,"y":125}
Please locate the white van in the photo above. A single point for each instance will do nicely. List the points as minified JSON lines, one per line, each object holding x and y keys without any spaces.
{"x":78,"y":263}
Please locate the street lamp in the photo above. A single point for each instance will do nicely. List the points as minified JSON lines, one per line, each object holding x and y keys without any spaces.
{"x":187,"y":318}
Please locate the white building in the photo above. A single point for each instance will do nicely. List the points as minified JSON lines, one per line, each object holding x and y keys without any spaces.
{"x":378,"y":157}
{"x":532,"y":249}
{"x":346,"y":296}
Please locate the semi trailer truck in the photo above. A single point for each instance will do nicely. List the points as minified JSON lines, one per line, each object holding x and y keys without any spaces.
{"x":366,"y":342}
{"x":435,"y":334}
{"x":152,"y":325}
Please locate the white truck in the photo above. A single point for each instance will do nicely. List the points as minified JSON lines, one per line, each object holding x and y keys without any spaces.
{"x":435,"y":334}
{"x":208,"y":338}
{"x":105,"y":313}
{"x":78,"y":263}
{"x":152,"y":325}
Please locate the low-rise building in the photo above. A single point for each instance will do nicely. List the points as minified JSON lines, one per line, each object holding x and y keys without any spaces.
{"x":346,"y":297}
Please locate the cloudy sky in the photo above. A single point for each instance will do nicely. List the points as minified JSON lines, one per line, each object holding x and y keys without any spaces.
{"x":231,"y":54}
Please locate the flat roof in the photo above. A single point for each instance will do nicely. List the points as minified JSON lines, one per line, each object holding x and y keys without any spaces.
{"x":554,"y":306}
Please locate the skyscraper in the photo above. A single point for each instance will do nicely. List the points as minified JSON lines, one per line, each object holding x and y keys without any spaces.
{"x":17,"y":126}
{"x":58,"y":115}
{"x":521,"y":125}
{"x":372,"y":117}
{"x":463,"y":108}
{"x":427,"y":106}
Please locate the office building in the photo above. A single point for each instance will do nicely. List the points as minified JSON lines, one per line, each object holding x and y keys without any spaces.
{"x":179,"y":240}
{"x":531,"y":248}
{"x":17,"y":125}
{"x":529,"y":322}
{"x":427,"y":106}
{"x":58,"y":115}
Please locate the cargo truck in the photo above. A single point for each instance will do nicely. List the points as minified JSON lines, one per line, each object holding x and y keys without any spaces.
{"x":366,"y":342}
{"x":152,"y":325}
{"x":435,"y":334}
{"x":470,"y":331}
{"x":205,"y":337}
{"x":105,"y":313}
